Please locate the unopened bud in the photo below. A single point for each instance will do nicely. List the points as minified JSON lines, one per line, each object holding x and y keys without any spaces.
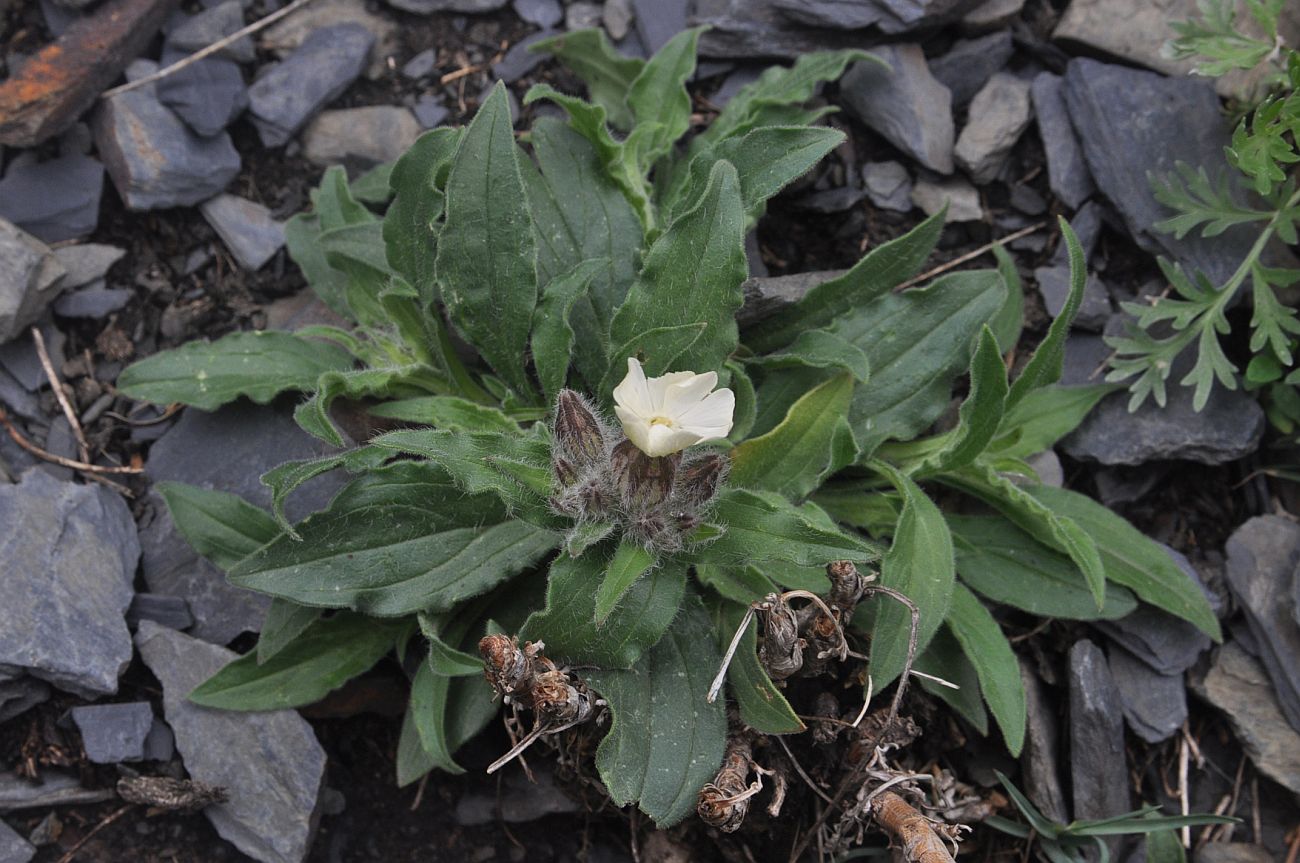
{"x":565,"y":472}
{"x":698,"y":480}
{"x":643,"y":481}
{"x":686,"y":521}
{"x":577,"y":431}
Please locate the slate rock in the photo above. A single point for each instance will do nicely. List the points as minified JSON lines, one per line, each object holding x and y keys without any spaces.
{"x":287,"y":94}
{"x":768,"y":295}
{"x":113,"y":733}
{"x":269,"y":763}
{"x":159,"y":743}
{"x":170,"y":611}
{"x":154,"y":159}
{"x":1067,"y":171}
{"x":1232,"y":852}
{"x":227,"y":450}
{"x":991,"y":14}
{"x":519,"y":61}
{"x":904,"y":103}
{"x":999,"y":114}
{"x":30,"y":278}
{"x":421,"y":65}
{"x":286,"y":36}
{"x":1039,"y":758}
{"x":57,"y":18}
{"x":92,"y":302}
{"x":84,"y":263}
{"x":55,"y":200}
{"x":617,"y":16}
{"x":430,"y":111}
{"x":1054,"y":285}
{"x":246,"y":228}
{"x":657,"y":21}
{"x":759,"y":29}
{"x":1086,"y":224}
{"x":1168,"y":644}
{"x":1120,"y":485}
{"x":518,"y":802}
{"x":1099,"y":774}
{"x":1047,"y":464}
{"x":428,"y":7}
{"x":20,"y":359}
{"x":970,"y":63}
{"x":207,"y":95}
{"x":20,"y":695}
{"x":360,"y":138}
{"x":70,"y":553}
{"x":1239,"y":686}
{"x":1092,"y":25}
{"x":961,"y":198}
{"x":1132,"y":122}
{"x":200,"y":30}
{"x":890,"y":16}
{"x":541,"y":13}
{"x":1262,"y":558}
{"x":13,"y":847}
{"x":581,"y":15}
{"x":53,"y":789}
{"x":888,"y":185}
{"x":829,"y":201}
{"x":60,"y":442}
{"x":1155,"y":705}
{"x":20,"y":401}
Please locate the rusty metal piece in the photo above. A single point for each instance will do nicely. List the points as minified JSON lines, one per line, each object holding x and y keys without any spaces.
{"x":47,"y":94}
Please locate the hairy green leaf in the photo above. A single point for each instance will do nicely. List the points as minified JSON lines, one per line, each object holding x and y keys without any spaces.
{"x":1044,"y":416}
{"x":607,"y":73}
{"x":659,"y":100}
{"x":981,"y":413}
{"x":451,"y":413}
{"x":944,"y":659}
{"x":284,"y":622}
{"x":819,"y":349}
{"x":762,"y":706}
{"x":221,"y":526}
{"x":412,"y":223}
{"x":553,"y":335}
{"x":630,"y":562}
{"x":761,"y":526}
{"x":999,"y":672}
{"x":283,"y":479}
{"x":1044,"y":367}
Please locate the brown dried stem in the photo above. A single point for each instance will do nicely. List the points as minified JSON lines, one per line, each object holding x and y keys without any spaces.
{"x":38,"y":339}
{"x":910,"y":829}
{"x":58,"y":459}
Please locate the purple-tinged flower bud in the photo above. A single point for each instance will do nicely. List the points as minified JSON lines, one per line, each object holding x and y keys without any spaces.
{"x":577,"y":430}
{"x":643,"y":481}
{"x":699,"y":479}
{"x":565,"y":472}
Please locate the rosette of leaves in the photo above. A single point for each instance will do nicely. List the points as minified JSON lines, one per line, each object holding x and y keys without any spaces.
{"x":611,"y":235}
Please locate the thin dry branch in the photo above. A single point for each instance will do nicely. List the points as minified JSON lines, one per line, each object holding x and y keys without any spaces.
{"x":970,"y":256}
{"x":58,"y":459}
{"x":38,"y":339}
{"x":910,"y":829}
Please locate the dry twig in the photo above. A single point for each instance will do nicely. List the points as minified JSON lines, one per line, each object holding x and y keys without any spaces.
{"x":108,"y":819}
{"x":38,"y":339}
{"x":58,"y":459}
{"x":910,"y":828}
{"x":970,"y":256}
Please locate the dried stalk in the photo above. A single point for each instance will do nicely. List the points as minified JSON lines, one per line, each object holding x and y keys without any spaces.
{"x":38,"y":339}
{"x":910,"y":829}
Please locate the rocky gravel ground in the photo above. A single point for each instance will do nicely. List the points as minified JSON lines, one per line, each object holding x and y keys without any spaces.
{"x":139,"y":220}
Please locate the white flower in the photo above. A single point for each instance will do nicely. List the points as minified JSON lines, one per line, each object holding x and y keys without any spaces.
{"x":667,"y":414}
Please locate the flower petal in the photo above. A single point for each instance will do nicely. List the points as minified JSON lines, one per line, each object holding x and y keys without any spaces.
{"x":659,"y":389}
{"x":712,"y":417}
{"x":680,"y":397}
{"x":664,"y":440}
{"x":636,"y":428}
{"x":633,"y":393}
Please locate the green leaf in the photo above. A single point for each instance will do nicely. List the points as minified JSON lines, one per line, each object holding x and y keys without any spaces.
{"x":411,"y":225}
{"x":221,"y":526}
{"x":659,"y":100}
{"x":1133,"y":560}
{"x":812,"y":443}
{"x":451,"y":413}
{"x":398,"y":540}
{"x":333,"y":207}
{"x":313,"y":415}
{"x":428,"y":713}
{"x":553,"y":335}
{"x":692,"y":274}
{"x":742,"y":584}
{"x":282,"y":480}
{"x":607,"y":73}
{"x":918,"y":564}
{"x":761,"y":526}
{"x":1009,"y":320}
{"x":944,"y":659}
{"x":568,"y":622}
{"x":1044,"y":416}
{"x":819,"y":349}
{"x":629,"y":563}
{"x":584,"y":535}
{"x":999,"y":672}
{"x":917,"y":342}
{"x":884,"y":267}
{"x":665,"y":741}
{"x":1002,"y":562}
{"x":445,"y":660}
{"x":746,"y":401}
{"x":372,"y":187}
{"x":762,"y":706}
{"x":487,"y":258}
{"x":325,"y":656}
{"x":284,"y":622}
{"x":981,"y":413}
{"x":664,"y":344}
{"x":207,"y":375}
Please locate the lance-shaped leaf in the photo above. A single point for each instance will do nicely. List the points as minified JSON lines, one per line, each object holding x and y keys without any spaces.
{"x":444,"y":659}
{"x":981,"y":412}
{"x":607,"y":73}
{"x":630,"y":562}
{"x":944,"y":659}
{"x":284,"y":622}
{"x":412,"y":223}
{"x":819,"y":349}
{"x":451,"y":413}
{"x":322,"y":658}
{"x":692,"y":274}
{"x":313,"y":415}
{"x":568,"y":622}
{"x":659,"y":100}
{"x":762,"y":706}
{"x":221,"y":526}
{"x":283,"y":479}
{"x":1044,"y":416}
{"x":666,"y":741}
{"x":1010,"y":319}
{"x":553,"y":334}
{"x":812,"y":442}
{"x":399,"y":540}
{"x":918,"y":564}
{"x":333,"y":206}
{"x":742,"y":422}
{"x":487,"y":258}
{"x":257,"y":365}
{"x":761,"y":526}
{"x":443,"y":713}
{"x":989,"y":651}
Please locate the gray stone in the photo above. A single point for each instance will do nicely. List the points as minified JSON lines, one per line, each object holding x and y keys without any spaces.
{"x":1132,"y":123}
{"x":657,"y":21}
{"x":202,"y":29}
{"x":284,"y":37}
{"x":430,"y":111}
{"x":766,"y":296}
{"x":287,"y":94}
{"x":1025,"y":199}
{"x":227,"y":450}
{"x":53,"y":789}
{"x":170,"y":611}
{"x":991,"y":14}
{"x":1117,"y":486}
{"x":421,"y":65}
{"x":59,"y":441}
{"x":19,"y":400}
{"x":891,"y":16}
{"x":20,"y":358}
{"x":830,"y":200}
{"x":1099,"y":772}
{"x":269,"y":763}
{"x":1262,"y":557}
{"x":1054,"y":285}
{"x":207,"y":95}
{"x":903,"y":103}
{"x":13,"y":847}
{"x":30,"y":278}
{"x":54,"y":200}
{"x":1047,"y":464}
{"x":1155,"y":705}
{"x":20,"y":695}
{"x":155,"y":160}
{"x":617,"y":17}
{"x":970,"y":63}
{"x":542,"y":13}
{"x":92,"y":302}
{"x":57,"y":18}
{"x":519,"y":61}
{"x":70,"y":553}
{"x":961,"y":198}
{"x":750,"y":29}
{"x":1039,"y":758}
{"x":733,"y":84}
{"x":428,"y":7}
{"x":1239,"y":686}
{"x":1086,"y":224}
{"x":360,"y":138}
{"x":518,"y":801}
{"x":1067,"y":172}
{"x":159,"y":743}
{"x":582,"y":15}
{"x":888,"y":185}
{"x":86,"y":262}
{"x":1232,"y":852}
{"x":1168,"y":644}
{"x":245,"y":227}
{"x":113,"y":733}
{"x":999,"y":114}
{"x":1091,"y":24}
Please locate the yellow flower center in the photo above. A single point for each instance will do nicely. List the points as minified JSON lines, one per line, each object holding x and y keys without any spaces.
{"x":662,"y":421}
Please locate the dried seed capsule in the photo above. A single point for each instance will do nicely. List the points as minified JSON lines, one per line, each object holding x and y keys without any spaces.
{"x":828,"y":707}
{"x":717,"y":804}
{"x":847,"y":586}
{"x":577,"y":430}
{"x":782,"y":650}
{"x":698,"y":481}
{"x":558,"y":700}
{"x":643,"y":481}
{"x":175,"y":795}
{"x":509,"y":669}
